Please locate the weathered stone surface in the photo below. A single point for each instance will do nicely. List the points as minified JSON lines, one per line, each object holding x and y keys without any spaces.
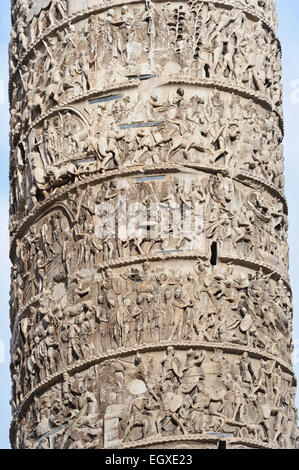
{"x":150,"y":298}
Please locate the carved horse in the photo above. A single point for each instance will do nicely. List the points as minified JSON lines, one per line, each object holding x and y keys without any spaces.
{"x":186,"y":143}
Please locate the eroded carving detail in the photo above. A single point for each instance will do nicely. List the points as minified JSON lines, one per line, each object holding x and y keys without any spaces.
{"x":150,"y":300}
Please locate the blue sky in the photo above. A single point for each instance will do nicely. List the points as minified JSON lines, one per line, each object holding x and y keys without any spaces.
{"x":288,"y":12}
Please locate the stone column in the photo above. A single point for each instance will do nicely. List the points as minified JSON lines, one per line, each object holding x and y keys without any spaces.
{"x":150,"y":297}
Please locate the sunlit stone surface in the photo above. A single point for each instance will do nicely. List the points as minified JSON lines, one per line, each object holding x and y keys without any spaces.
{"x":150,"y":297}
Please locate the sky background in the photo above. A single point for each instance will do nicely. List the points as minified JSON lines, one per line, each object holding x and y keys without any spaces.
{"x":288,"y":13}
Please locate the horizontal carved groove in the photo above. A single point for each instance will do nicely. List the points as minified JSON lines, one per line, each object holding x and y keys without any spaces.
{"x":124,"y":352}
{"x":131,"y":171}
{"x":114,"y":4}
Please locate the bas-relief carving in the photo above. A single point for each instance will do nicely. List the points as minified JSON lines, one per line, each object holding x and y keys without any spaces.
{"x":195,"y":87}
{"x":141,"y":305}
{"x":134,"y":46}
{"x":29,"y":9}
{"x":35,"y":16}
{"x":86,"y":139}
{"x":107,"y":225}
{"x":160,"y":394}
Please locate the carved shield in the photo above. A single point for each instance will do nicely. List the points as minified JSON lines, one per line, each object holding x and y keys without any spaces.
{"x":137,"y":387}
{"x":266,"y":411}
{"x":246,"y":323}
{"x":176,"y":403}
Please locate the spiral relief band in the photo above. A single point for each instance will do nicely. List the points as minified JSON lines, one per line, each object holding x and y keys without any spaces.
{"x":150,"y":298}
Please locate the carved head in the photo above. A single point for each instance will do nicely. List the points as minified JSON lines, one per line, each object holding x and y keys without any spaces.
{"x":149,"y":298}
{"x":167,"y":295}
{"x":111,"y":301}
{"x":111,"y":12}
{"x":51,"y":330}
{"x":146,"y":267}
{"x":127,"y":302}
{"x":178,"y":294}
{"x":190,"y":353}
{"x":139,"y":299}
{"x":108,"y":273}
{"x":170,"y":351}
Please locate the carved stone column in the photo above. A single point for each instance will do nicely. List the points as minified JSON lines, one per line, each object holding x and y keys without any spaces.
{"x":150,"y":297}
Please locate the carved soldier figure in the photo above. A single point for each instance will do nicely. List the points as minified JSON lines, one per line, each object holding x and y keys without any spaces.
{"x":179,"y":310}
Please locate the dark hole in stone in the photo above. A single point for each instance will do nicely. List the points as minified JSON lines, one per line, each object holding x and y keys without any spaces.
{"x":103,"y":99}
{"x":207,"y":70}
{"x":221,"y":445}
{"x":214,"y":254}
